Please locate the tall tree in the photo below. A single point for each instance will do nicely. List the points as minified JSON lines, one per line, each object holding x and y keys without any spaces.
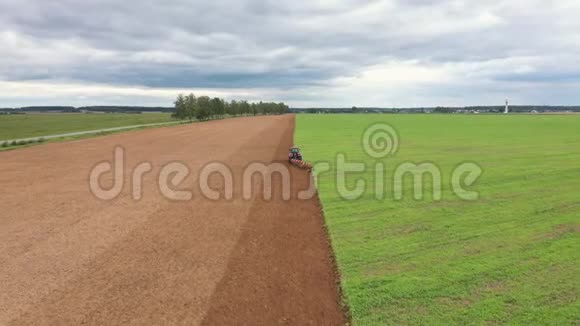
{"x":191,"y":106}
{"x":180,"y":108}
{"x":254,"y":109}
{"x":217,"y":107}
{"x":203,"y":108}
{"x":244,"y":107}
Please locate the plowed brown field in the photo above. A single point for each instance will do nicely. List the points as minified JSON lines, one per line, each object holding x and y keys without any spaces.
{"x":67,"y":257}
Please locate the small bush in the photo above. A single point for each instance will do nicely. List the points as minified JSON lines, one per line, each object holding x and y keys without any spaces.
{"x":5,"y":144}
{"x":41,"y":140}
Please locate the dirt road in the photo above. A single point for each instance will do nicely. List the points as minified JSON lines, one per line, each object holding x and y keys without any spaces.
{"x":87,"y":132}
{"x":69,"y":258}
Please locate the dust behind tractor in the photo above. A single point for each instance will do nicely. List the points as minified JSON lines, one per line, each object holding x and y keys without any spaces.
{"x":295,"y":158}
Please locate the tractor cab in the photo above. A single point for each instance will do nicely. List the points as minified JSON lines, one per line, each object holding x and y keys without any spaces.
{"x":295,"y":154}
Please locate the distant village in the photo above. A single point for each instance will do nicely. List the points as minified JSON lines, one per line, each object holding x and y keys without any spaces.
{"x":531,"y":109}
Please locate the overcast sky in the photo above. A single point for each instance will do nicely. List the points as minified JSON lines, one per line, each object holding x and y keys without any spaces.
{"x":306,"y":53}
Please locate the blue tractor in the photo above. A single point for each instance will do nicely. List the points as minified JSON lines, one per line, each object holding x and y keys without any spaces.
{"x":294,"y":154}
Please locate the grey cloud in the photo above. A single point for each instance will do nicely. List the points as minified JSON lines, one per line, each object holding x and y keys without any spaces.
{"x":273,"y":44}
{"x":541,"y":77}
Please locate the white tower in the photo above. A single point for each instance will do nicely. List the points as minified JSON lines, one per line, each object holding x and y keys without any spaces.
{"x":507,"y":107}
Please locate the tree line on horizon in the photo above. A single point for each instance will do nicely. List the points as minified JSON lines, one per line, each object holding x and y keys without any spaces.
{"x":206,"y":108}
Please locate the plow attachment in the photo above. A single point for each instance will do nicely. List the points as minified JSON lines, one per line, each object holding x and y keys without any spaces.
{"x":301,"y":164}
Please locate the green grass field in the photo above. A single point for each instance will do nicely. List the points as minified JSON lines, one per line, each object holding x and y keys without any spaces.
{"x":32,"y":125}
{"x":512,"y":256}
